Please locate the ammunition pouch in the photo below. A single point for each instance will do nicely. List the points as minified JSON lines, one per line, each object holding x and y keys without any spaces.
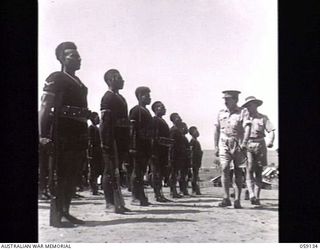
{"x":75,"y":113}
{"x":164,"y":141}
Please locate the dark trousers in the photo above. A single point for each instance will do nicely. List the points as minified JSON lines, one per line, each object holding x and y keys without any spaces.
{"x":43,"y":170}
{"x":129,"y":174}
{"x":195,"y":178}
{"x":69,"y":164}
{"x":111,"y":176}
{"x":96,"y":169}
{"x":174,"y":174}
{"x":158,"y":167}
{"x":140,"y":163}
{"x":183,"y":184}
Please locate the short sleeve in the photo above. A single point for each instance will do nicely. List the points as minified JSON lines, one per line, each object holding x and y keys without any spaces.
{"x":245,"y":117}
{"x":51,"y":87}
{"x":269,"y":125}
{"x":52,"y":84}
{"x":216,"y":121}
{"x":105,"y":102}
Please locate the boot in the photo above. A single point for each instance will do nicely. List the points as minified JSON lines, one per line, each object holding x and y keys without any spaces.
{"x":174,"y":193}
{"x":183,"y":187}
{"x":108,"y":193}
{"x":198,"y":190}
{"x":142,"y":196}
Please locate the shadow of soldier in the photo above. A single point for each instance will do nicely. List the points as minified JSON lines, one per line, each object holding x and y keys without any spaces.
{"x":167,"y":211}
{"x":133,"y":220}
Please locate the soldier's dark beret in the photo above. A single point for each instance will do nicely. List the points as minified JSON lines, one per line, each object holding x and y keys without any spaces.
{"x":62,"y":47}
{"x":142,"y":90}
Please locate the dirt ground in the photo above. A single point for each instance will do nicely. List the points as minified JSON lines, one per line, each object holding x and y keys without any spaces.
{"x":190,"y":219}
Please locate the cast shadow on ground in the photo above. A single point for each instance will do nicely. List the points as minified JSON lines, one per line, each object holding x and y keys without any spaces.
{"x":95,"y":198}
{"x":262,"y":207}
{"x":199,"y":200}
{"x":206,"y":195}
{"x":166,"y":211}
{"x":133,"y":220}
{"x":273,"y":209}
{"x":77,"y":203}
{"x":272,"y":204}
{"x":176,"y":204}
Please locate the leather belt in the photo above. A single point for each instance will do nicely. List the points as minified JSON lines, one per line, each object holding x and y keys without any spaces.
{"x":76,"y":113}
{"x":164,"y":141}
{"x":256,"y":139}
{"x":225,"y":137}
{"x":122,"y":123}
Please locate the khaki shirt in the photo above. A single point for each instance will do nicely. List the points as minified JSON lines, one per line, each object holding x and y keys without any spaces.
{"x":260,"y":123}
{"x":232,"y":124}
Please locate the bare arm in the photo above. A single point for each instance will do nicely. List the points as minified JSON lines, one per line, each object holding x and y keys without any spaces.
{"x":106,"y":130}
{"x":271,"y":140}
{"x":216,"y":139}
{"x":45,"y":117}
{"x":247,"y":130}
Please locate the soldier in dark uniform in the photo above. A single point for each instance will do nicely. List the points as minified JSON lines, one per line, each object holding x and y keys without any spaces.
{"x":63,"y":127}
{"x":160,"y":149}
{"x":196,"y":158}
{"x":114,"y":132}
{"x":141,"y":151}
{"x":95,"y":155}
{"x":176,"y":135}
{"x":182,"y":158}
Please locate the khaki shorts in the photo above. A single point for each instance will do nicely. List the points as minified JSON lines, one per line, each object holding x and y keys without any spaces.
{"x":257,"y":154}
{"x":229,"y":150}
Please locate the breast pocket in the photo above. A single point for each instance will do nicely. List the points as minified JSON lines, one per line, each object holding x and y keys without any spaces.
{"x":260,"y":125}
{"x":223,"y":122}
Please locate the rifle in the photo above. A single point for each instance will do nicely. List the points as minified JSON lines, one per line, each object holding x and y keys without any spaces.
{"x":115,"y":173}
{"x":133,"y":147}
{"x":118,"y":198}
{"x":191,"y":162}
{"x":55,"y":207}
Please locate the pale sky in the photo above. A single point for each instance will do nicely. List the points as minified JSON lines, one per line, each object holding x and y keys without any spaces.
{"x":186,"y":51}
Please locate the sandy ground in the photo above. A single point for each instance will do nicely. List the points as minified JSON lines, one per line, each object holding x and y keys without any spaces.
{"x":190,"y":219}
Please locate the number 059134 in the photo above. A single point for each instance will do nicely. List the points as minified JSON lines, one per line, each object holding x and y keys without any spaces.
{"x":308,"y":245}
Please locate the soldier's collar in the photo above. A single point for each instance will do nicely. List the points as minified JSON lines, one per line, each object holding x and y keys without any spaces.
{"x":74,"y":78}
{"x":235,"y":110}
{"x":116,"y":93}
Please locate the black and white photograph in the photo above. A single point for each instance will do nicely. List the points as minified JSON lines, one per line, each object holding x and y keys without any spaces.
{"x":158,"y":121}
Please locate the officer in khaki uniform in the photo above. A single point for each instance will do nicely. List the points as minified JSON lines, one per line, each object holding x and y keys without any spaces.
{"x":232,"y":129}
{"x":257,"y":147}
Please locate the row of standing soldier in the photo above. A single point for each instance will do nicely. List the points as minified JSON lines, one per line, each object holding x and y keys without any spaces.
{"x":138,"y":139}
{"x":239,"y":138}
